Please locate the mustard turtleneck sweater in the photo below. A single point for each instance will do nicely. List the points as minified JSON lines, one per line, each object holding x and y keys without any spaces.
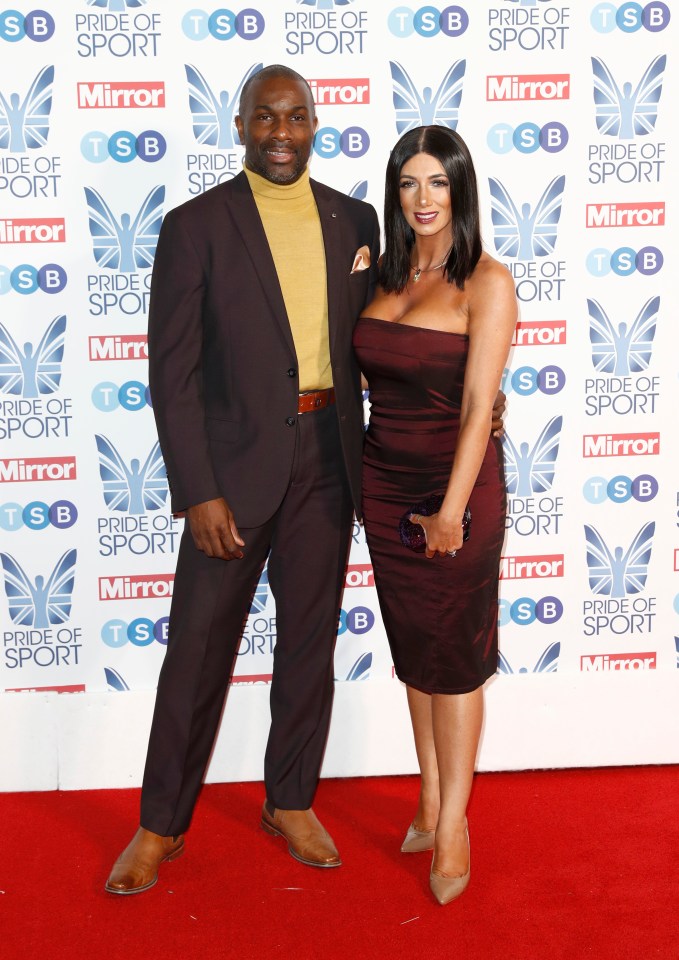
{"x":293,"y":230}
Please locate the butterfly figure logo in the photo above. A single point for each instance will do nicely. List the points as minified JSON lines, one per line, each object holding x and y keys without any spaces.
{"x":32,"y":372}
{"x":361,"y":669}
{"x":116,"y":6}
{"x":127,"y":245}
{"x":622,"y":351}
{"x":441,"y":108}
{"x":43,"y":603}
{"x":627,"y":113}
{"x":532,"y":471}
{"x":526,"y":235}
{"x":114,"y":680}
{"x":548,"y":662}
{"x":134,"y":489}
{"x":24,"y":125}
{"x":618,"y":574}
{"x":212,"y":115}
{"x":261,"y":594}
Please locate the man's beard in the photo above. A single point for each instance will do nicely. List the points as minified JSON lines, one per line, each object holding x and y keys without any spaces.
{"x":270,"y":171}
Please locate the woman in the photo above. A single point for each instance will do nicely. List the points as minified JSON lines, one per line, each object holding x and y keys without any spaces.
{"x":432,"y":345}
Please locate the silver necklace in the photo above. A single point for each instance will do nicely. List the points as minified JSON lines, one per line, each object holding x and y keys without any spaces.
{"x":419,"y":270}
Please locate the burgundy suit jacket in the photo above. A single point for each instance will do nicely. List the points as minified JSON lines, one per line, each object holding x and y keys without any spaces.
{"x":222,"y":364}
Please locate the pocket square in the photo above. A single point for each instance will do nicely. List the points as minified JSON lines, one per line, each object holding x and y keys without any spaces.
{"x":361,"y":260}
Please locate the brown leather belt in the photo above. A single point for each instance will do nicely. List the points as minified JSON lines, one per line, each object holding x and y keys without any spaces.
{"x":315,"y":400}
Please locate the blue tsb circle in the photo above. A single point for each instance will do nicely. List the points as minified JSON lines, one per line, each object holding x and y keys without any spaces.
{"x":39,"y":25}
{"x":454,"y":21}
{"x":24,"y":279}
{"x":426,"y":22}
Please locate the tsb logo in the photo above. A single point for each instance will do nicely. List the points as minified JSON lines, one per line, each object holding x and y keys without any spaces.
{"x":37,"y":25}
{"x":123,"y":146}
{"x":358,"y":620}
{"x":132,"y":396}
{"x":620,"y":489}
{"x":527,"y":380}
{"x":527,"y":137}
{"x":37,"y":515}
{"x":625,"y":261}
{"x":353,"y":142}
{"x":27,"y":279}
{"x":223,"y":24}
{"x":428,"y":21}
{"x":630,"y":17}
{"x":525,"y":610}
{"x":140,"y":632}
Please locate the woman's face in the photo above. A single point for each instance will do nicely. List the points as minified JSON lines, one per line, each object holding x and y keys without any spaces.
{"x":425,"y":196}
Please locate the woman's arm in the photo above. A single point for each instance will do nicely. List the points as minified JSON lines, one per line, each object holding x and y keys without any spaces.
{"x":492,"y":317}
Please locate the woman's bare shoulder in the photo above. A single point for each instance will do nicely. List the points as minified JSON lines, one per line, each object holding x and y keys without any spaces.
{"x":490,"y":272}
{"x":491,"y":286}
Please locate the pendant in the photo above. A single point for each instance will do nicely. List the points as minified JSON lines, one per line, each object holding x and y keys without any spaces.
{"x":416,"y":275}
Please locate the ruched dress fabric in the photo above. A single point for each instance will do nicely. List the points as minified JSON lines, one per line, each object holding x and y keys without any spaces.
{"x":440,"y":614}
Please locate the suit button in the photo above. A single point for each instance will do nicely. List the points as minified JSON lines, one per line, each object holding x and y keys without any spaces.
{"x":290,"y":421}
{"x":292,"y":372}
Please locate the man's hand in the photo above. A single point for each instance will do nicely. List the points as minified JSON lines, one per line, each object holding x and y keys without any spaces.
{"x":214,"y":529}
{"x":499,"y":408}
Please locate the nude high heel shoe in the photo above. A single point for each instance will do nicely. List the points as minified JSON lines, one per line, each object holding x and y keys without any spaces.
{"x":417,"y":841}
{"x":446,"y":889}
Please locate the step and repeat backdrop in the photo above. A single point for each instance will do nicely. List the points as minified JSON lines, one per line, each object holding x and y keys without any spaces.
{"x":114,"y":111}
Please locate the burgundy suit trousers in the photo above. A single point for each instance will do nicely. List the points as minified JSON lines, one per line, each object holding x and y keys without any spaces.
{"x":306,"y":542}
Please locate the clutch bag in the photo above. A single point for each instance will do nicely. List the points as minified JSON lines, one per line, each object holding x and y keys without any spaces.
{"x":412,"y":534}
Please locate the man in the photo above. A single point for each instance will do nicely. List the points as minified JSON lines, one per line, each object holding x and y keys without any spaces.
{"x":255,"y":291}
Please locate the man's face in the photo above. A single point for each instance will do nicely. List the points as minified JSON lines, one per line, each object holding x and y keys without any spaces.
{"x":277,"y":126}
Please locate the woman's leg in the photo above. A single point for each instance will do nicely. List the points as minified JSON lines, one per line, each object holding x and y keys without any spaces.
{"x":420,"y":705}
{"x":456,"y":721}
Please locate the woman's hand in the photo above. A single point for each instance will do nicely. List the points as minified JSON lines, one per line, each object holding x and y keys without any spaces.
{"x":443,"y":536}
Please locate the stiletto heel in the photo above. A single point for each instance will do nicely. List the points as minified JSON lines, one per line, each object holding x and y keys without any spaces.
{"x":417,"y":841}
{"x":446,"y":889}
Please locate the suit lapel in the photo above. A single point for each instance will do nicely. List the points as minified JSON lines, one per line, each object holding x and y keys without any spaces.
{"x":332,"y":227}
{"x":248,"y":223}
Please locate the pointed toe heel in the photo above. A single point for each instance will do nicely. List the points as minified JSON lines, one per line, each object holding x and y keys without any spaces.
{"x":446,"y":889}
{"x":417,"y":841}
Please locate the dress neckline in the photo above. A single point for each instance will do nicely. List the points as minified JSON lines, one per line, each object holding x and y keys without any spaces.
{"x":412,"y":326}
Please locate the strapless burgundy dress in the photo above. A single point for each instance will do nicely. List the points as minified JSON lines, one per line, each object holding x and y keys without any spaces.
{"x":440,"y":614}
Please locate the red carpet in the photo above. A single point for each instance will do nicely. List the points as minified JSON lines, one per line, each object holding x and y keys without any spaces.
{"x":568,"y":864}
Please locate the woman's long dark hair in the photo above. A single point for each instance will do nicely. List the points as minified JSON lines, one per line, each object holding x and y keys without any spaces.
{"x":452,"y":153}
